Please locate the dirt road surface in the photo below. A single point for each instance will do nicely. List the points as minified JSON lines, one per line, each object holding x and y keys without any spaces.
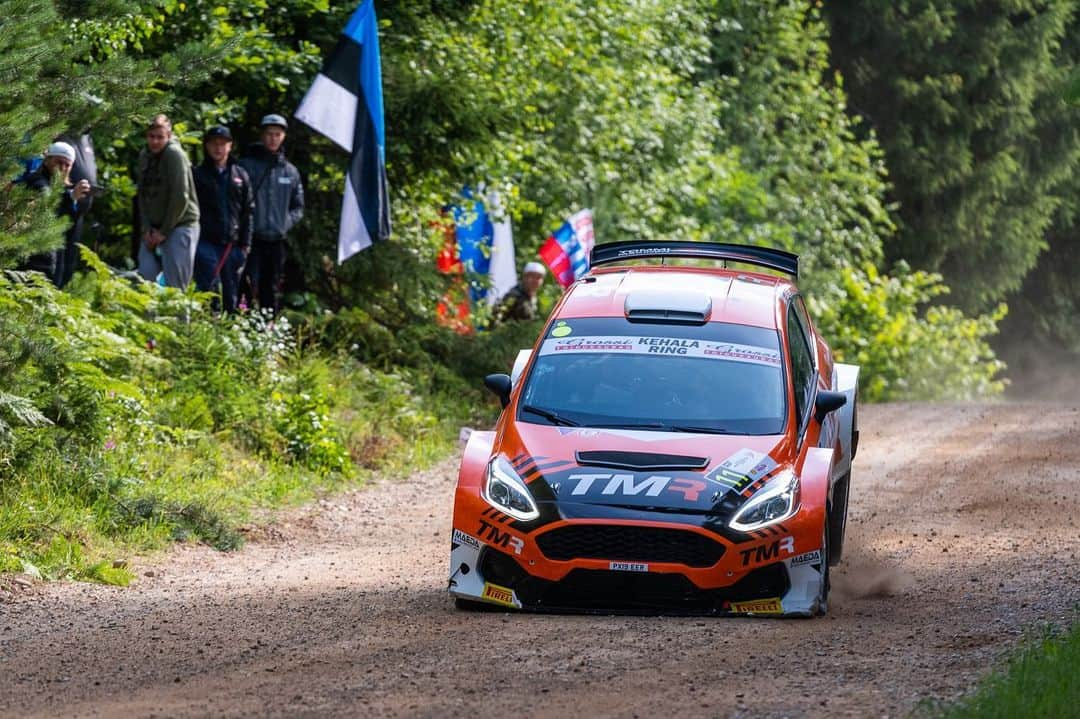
{"x":963,"y":536}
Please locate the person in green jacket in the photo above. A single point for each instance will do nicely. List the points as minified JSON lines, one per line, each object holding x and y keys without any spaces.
{"x":168,"y":208}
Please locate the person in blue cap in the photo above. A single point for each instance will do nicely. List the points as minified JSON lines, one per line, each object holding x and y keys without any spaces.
{"x":226,"y":204}
{"x":279,"y":206}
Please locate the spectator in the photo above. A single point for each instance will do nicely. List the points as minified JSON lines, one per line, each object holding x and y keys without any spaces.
{"x":85,"y":168}
{"x":520,"y":302}
{"x":168,"y":208}
{"x":279,"y":205}
{"x":74,"y":203}
{"x":226,"y":204}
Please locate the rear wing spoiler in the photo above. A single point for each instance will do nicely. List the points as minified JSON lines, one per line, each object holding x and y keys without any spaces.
{"x":612,"y":252}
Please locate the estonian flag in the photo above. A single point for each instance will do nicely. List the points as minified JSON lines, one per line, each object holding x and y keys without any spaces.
{"x":345,"y":103}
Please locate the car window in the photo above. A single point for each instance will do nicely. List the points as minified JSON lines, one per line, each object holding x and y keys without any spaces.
{"x":609,"y":372}
{"x":802,"y":366}
{"x":804,"y":320}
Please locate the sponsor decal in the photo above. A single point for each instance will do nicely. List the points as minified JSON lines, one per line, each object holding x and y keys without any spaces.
{"x":497,"y":537}
{"x":609,"y":484}
{"x":759,"y":606}
{"x":647,"y":251}
{"x":561,"y":329}
{"x":628,"y":567}
{"x":813,"y":557}
{"x":742,"y":469}
{"x":462,"y":538}
{"x":499,"y":595}
{"x":728,"y":351}
{"x":767,"y":552}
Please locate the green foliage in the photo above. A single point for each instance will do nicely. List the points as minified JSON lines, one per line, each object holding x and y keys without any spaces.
{"x":135,"y":416}
{"x":969,"y":100}
{"x":905,"y":353}
{"x":1039,"y":681}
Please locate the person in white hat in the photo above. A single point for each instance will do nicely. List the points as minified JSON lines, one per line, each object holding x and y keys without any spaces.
{"x":520,"y":303}
{"x":55,"y":170}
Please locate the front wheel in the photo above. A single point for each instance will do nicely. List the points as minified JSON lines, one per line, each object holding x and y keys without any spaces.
{"x":838,"y":518}
{"x":823,"y":591}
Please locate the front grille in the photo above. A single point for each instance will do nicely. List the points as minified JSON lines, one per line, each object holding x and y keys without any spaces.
{"x":627,"y":543}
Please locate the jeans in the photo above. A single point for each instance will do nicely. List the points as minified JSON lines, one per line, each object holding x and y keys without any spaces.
{"x":207,"y":258}
{"x":175,"y":257}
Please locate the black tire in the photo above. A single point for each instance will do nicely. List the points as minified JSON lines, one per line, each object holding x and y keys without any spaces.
{"x":823,"y":595}
{"x":838,"y":518}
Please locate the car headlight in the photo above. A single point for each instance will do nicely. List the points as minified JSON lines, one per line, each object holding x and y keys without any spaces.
{"x":776,"y":501}
{"x":505,"y":490}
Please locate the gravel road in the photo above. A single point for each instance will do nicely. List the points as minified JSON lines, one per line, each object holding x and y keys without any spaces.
{"x":963,"y":536}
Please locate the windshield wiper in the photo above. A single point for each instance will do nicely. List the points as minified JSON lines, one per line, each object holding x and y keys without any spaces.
{"x":698,"y":430}
{"x":661,"y":427}
{"x":550,"y":416}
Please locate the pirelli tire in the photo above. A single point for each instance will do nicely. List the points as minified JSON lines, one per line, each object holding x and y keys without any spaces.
{"x":838,"y":510}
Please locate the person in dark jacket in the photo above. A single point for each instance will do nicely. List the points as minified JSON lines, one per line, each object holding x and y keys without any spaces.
{"x":74,"y":203}
{"x":226,"y":206}
{"x":519,"y":304}
{"x":85,"y":168}
{"x":279,"y":205}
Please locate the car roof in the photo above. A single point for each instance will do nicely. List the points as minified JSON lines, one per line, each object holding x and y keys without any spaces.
{"x":737,"y":296}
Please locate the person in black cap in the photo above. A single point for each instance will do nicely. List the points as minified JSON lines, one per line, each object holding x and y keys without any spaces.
{"x":227,"y":201}
{"x":279,"y":205}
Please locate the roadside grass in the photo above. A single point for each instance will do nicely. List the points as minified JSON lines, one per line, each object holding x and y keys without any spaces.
{"x":1042,"y":680}
{"x":80,"y":517}
{"x":132,"y":417}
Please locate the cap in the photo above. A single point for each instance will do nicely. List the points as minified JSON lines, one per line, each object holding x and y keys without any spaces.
{"x":217,"y":131}
{"x":274,"y":120}
{"x":534,"y":268}
{"x":61,"y":149}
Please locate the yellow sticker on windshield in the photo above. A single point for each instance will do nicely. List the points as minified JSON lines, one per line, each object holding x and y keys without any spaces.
{"x":561,"y":330}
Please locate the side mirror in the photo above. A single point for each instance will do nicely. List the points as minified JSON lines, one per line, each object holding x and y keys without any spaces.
{"x":828,"y":402}
{"x":500,"y":384}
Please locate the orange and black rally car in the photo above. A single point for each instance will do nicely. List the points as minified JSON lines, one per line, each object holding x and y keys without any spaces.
{"x":679,"y":440}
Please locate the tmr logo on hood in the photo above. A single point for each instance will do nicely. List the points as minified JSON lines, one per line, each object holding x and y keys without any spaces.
{"x":614,"y":485}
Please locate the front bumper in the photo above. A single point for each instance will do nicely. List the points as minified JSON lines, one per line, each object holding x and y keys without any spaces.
{"x":590,"y":565}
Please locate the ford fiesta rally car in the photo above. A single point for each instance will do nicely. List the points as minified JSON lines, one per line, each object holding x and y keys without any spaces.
{"x":678,"y":440}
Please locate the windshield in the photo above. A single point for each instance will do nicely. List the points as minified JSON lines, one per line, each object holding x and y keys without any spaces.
{"x":609,"y":372}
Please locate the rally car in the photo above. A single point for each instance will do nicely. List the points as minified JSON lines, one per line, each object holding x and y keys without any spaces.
{"x":679,"y":440}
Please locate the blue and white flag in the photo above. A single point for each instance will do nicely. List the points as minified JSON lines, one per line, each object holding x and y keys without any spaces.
{"x":345,"y":104}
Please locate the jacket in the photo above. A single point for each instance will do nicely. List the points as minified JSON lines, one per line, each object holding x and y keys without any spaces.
{"x":279,"y":193}
{"x":226,"y":204}
{"x":166,"y":195}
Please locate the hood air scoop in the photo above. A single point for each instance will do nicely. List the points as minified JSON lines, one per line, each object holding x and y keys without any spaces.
{"x":644,"y":461}
{"x":668,"y":307}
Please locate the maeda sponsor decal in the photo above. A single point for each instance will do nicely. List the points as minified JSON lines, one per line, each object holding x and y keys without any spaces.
{"x":758,"y":606}
{"x":499,"y":595}
{"x":628,"y":567}
{"x":462,"y":538}
{"x":813,"y":557}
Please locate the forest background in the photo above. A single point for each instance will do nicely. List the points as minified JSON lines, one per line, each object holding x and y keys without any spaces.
{"x":923,"y":160}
